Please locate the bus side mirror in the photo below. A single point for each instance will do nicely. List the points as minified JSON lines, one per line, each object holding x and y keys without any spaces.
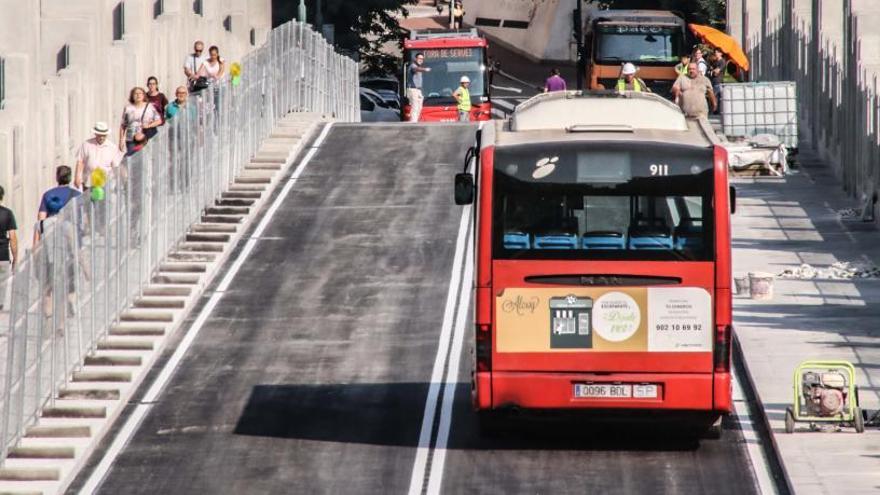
{"x":464,"y":188}
{"x":732,"y":200}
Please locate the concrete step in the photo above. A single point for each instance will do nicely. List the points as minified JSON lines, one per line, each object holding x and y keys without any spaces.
{"x":227,"y":210}
{"x":136,"y":331}
{"x":125,"y":345}
{"x":190,"y":257}
{"x":171,"y":290}
{"x":101,"y":375}
{"x":203,"y":247}
{"x":243,"y":194}
{"x":29,"y":474}
{"x":269,"y":157}
{"x":175,"y":267}
{"x":108,"y":360}
{"x":263,"y":166}
{"x":89,"y":394}
{"x":222,"y":218}
{"x":74,"y":411}
{"x":208,"y":237}
{"x":221,"y":228}
{"x":42,"y":452}
{"x":240,"y":202}
{"x":159,"y":303}
{"x":176,"y":278}
{"x":73,"y":431}
{"x":146,"y":315}
{"x":252,"y":179}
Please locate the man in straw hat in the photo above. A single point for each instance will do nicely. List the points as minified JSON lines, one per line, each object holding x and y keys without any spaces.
{"x":94,"y":153}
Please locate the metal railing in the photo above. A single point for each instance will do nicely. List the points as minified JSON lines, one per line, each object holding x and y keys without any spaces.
{"x":95,"y":257}
{"x":839,"y":100}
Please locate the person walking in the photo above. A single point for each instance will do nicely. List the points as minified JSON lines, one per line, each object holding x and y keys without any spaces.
{"x":629,"y":82}
{"x":94,"y":153}
{"x":179,"y":104}
{"x":414,"y":86}
{"x":8,"y":250}
{"x":555,"y":82}
{"x":193,"y":62}
{"x":139,"y":122}
{"x":213,"y":68}
{"x":458,"y":16}
{"x":156,"y":97}
{"x":692,"y":92}
{"x":462,"y":96}
{"x":56,"y":198}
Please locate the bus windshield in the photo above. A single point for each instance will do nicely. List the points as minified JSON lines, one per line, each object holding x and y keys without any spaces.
{"x":447,"y":66}
{"x":603,"y":201}
{"x":639,"y":44}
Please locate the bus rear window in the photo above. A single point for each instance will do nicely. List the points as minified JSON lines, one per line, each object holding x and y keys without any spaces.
{"x":611,"y":203}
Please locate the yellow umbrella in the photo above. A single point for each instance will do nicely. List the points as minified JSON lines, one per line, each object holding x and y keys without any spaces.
{"x":727,"y":44}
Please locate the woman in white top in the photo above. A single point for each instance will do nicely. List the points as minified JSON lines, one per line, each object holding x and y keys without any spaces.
{"x":138,"y":118}
{"x":213,"y":68}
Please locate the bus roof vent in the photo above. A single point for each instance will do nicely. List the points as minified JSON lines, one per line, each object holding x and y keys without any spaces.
{"x":597,"y":111}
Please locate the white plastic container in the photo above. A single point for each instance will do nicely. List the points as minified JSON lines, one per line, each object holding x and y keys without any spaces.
{"x":748,"y":109}
{"x":761,"y":285}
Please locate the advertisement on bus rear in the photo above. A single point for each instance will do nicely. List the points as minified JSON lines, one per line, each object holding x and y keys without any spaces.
{"x":637,"y":319}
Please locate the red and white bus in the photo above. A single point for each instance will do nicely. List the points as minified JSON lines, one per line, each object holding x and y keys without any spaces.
{"x":603,"y":259}
{"x":449,"y":55}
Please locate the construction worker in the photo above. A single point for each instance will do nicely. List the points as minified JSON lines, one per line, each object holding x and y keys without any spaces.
{"x":463,"y":96}
{"x":629,"y":81}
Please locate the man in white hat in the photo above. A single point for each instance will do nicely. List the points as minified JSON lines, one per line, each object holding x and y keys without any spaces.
{"x":94,"y":153}
{"x":629,"y":81}
{"x":463,"y":96}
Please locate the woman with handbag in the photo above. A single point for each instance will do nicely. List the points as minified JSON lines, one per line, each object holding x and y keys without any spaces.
{"x":212,"y":69}
{"x":139,"y":122}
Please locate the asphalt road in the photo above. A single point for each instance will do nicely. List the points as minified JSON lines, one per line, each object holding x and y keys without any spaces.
{"x":311,"y":375}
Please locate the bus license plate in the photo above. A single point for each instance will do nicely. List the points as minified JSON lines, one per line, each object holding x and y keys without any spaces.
{"x":610,"y":391}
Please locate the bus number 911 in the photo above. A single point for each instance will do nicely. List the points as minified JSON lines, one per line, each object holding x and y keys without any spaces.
{"x":659,"y":169}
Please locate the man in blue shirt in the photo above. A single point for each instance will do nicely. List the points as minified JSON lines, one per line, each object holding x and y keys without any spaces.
{"x":56,"y":198}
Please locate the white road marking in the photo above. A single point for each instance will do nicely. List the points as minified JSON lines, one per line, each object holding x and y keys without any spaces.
{"x":455,"y":288}
{"x":133,"y":423}
{"x":760,"y":465}
{"x":438,"y":461}
{"x":508,"y":88}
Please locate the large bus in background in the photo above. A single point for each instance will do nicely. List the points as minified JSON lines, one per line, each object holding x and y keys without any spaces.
{"x":449,"y":54}
{"x":653,"y":40}
{"x":603,"y":259}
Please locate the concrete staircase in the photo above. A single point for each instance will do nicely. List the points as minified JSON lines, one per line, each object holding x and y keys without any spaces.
{"x":53,"y":450}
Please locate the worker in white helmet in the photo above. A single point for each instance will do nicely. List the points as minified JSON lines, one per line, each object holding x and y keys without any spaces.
{"x":629,"y":82}
{"x":463,"y":96}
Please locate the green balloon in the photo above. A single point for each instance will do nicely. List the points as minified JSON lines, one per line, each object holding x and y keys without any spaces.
{"x":97,"y":193}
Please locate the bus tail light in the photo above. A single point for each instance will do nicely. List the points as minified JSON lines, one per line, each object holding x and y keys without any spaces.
{"x":484,"y":347}
{"x":721,"y":356}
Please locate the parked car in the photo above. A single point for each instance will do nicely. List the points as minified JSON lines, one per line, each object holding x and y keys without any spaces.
{"x":374,"y":108}
{"x":387,"y":87}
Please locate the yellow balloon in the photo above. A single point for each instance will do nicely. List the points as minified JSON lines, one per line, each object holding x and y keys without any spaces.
{"x":235,"y":69}
{"x":99,"y":177}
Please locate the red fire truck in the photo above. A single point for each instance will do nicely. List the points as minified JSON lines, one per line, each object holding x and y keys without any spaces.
{"x":449,"y":55}
{"x":603,"y":262}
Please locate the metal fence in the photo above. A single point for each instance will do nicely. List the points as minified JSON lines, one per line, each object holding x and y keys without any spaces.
{"x":838,"y":98}
{"x":95,"y":257}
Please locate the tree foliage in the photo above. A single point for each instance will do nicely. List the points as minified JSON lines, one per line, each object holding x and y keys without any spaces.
{"x":361,"y":26}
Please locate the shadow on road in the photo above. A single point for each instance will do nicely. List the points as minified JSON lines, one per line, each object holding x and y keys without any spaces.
{"x":391,"y":414}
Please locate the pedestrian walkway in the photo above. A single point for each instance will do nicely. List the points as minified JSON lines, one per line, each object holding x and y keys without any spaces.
{"x":70,"y":428}
{"x":780,"y":224}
